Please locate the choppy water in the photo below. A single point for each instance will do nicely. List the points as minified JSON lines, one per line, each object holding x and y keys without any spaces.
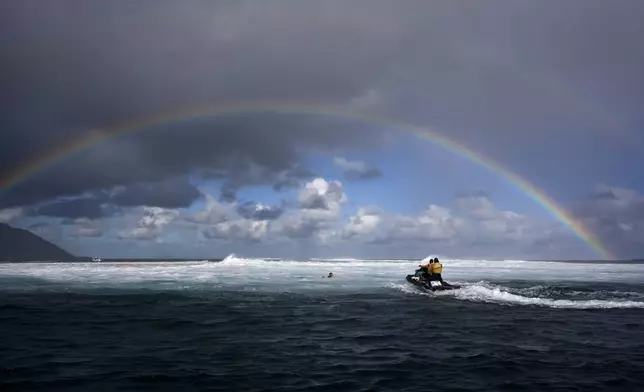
{"x":253,"y":325}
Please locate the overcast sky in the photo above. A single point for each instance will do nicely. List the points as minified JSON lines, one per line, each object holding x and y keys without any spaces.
{"x":551,"y":90}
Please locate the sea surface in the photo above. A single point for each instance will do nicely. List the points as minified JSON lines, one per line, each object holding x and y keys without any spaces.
{"x":258,"y":325}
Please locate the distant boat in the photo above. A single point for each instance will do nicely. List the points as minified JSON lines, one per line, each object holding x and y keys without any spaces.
{"x":97,"y":259}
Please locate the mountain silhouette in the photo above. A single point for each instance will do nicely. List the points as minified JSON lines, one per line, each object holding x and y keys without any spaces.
{"x":23,"y":245}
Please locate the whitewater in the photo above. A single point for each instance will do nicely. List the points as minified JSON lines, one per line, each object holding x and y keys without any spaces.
{"x":551,"y":284}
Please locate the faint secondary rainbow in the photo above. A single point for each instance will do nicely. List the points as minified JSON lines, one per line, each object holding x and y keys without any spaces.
{"x":77,"y":145}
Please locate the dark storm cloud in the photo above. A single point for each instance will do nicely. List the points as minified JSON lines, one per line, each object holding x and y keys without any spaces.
{"x":78,"y":66}
{"x":172,"y":193}
{"x":616,"y":215}
{"x":244,"y":172}
{"x":92,"y":208}
{"x":501,"y":72}
{"x":267,"y":144}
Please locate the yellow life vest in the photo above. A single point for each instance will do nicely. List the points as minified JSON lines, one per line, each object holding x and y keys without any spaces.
{"x":437,"y":268}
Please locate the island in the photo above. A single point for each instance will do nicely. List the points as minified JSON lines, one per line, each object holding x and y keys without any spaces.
{"x":18,"y":245}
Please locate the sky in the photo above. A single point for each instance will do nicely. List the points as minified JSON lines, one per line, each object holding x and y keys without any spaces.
{"x":550,"y":91}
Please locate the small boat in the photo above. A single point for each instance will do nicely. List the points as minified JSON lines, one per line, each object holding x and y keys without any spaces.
{"x":96,"y":259}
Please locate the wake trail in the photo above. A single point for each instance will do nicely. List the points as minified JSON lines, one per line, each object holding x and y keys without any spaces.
{"x":501,"y":295}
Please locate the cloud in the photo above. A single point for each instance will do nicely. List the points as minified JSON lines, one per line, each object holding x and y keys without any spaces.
{"x":151,"y":224}
{"x":473,"y":227}
{"x":241,"y":230}
{"x":258,"y":211}
{"x":468,"y":69}
{"x":616,"y":215}
{"x":356,"y":170}
{"x":320,"y":216}
{"x":245,"y":173}
{"x":370,"y":99}
{"x":245,"y":151}
{"x":102,"y":90}
{"x":318,"y":208}
{"x":89,"y":207}
{"x":321,"y":194}
{"x":214,"y":212}
{"x":171,"y":193}
{"x":9,"y":215}
{"x":229,"y":221}
{"x":435,"y":224}
{"x":84,"y":227}
{"x":491,"y":74}
{"x":365,"y":222}
{"x":477,"y":206}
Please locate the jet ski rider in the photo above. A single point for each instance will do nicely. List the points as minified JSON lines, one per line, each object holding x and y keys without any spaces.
{"x":436,"y":269}
{"x":427,"y":269}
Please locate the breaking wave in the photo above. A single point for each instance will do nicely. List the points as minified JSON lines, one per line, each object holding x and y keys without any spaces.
{"x":507,"y":282}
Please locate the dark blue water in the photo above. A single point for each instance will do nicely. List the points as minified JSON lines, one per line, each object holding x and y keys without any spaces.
{"x":382,"y":340}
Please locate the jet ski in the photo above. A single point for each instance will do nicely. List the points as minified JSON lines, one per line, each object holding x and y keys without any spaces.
{"x":418,"y":279}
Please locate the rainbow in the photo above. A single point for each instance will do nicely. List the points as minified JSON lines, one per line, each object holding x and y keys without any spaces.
{"x":75,"y":146}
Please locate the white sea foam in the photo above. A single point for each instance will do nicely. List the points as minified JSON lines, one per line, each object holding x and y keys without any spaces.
{"x":239,"y":273}
{"x":501,"y":295}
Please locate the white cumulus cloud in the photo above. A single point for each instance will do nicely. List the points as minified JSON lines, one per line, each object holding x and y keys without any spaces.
{"x":471,"y":226}
{"x":151,"y":224}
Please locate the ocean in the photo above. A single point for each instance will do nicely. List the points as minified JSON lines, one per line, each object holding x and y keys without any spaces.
{"x":280,"y":325}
